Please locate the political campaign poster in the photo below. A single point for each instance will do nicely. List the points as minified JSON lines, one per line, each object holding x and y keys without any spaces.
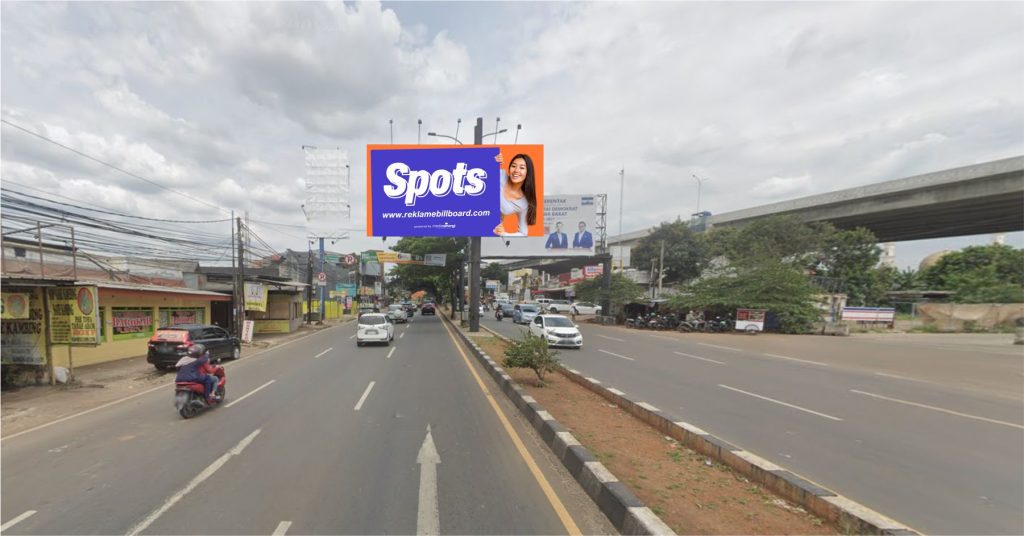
{"x":570,"y":230}
{"x":455,"y":190}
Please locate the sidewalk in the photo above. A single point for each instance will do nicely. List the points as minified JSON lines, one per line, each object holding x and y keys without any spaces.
{"x":27,"y":407}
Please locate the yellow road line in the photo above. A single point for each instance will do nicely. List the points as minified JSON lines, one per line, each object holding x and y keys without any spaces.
{"x":549,"y":492}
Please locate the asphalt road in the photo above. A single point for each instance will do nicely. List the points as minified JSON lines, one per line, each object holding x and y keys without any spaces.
{"x":928,"y":430}
{"x":316,"y":436}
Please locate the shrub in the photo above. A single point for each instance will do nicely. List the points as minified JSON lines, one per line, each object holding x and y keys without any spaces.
{"x":531,"y":352}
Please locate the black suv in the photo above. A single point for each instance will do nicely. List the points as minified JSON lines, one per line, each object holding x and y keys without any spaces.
{"x":170,"y":344}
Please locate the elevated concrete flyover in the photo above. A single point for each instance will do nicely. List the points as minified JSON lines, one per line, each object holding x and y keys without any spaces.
{"x":976,"y":199}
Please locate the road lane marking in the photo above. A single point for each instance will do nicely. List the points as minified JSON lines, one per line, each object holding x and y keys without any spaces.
{"x":428,"y":519}
{"x":616,"y":355}
{"x":542,"y":481}
{"x":353,"y":336}
{"x":322,"y":353}
{"x":800,"y":360}
{"x":402,"y":335}
{"x":943,"y":410}
{"x":250,"y":393}
{"x":901,"y":377}
{"x":610,"y":338}
{"x":282,"y":528}
{"x":788,"y":405}
{"x":698,"y":357}
{"x":199,"y":479}
{"x":720,"y":347}
{"x":366,"y":393}
{"x":19,"y":519}
{"x":249,"y":359}
{"x":393,"y":348}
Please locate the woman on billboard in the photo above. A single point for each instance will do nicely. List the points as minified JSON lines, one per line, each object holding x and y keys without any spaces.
{"x":518,"y":194}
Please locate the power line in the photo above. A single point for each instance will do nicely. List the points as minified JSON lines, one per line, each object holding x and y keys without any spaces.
{"x":111,"y":166}
{"x":106,"y":211}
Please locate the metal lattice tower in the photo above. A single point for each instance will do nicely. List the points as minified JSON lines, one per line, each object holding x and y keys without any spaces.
{"x":327,"y":189}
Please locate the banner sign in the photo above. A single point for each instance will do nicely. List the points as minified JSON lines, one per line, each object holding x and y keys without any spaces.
{"x":131,"y":323}
{"x":368,"y":256}
{"x":433,"y":190}
{"x":22,"y":340}
{"x":570,"y":230}
{"x":435,"y":259}
{"x":491,"y":284}
{"x":15,"y":306}
{"x":74,"y":315}
{"x":247,"y":329}
{"x":256,"y":297}
{"x":593,"y":271}
{"x":881,"y":315}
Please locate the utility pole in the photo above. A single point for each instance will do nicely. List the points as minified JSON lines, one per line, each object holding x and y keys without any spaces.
{"x":661,"y":267}
{"x":240,"y":326}
{"x":233,"y":321}
{"x":309,"y":281}
{"x":622,"y":193}
{"x":474,"y":252}
{"x":322,"y":287}
{"x":652,"y":279}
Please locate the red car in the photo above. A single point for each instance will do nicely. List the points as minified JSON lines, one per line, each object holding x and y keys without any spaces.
{"x":427,"y":309}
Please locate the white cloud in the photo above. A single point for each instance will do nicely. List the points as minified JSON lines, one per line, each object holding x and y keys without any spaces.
{"x":218,"y":98}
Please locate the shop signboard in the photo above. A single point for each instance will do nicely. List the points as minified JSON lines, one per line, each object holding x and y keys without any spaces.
{"x":435,"y":259}
{"x":131,"y":322}
{"x":74,"y":315}
{"x":256,"y":297}
{"x":22,"y":339}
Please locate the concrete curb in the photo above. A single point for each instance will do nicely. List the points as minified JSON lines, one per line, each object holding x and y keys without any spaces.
{"x":849,"y":516}
{"x":626,"y":512}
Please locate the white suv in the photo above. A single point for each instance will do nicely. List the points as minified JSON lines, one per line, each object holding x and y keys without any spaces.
{"x":558,"y":306}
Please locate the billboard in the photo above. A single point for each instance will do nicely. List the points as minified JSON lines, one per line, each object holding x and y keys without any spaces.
{"x":455,"y":190}
{"x":255,"y":297}
{"x":569,"y":231}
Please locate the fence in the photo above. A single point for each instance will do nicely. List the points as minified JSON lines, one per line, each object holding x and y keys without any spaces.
{"x":967,"y":316}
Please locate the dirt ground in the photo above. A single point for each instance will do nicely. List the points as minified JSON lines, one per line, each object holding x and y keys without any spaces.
{"x":691,"y":493}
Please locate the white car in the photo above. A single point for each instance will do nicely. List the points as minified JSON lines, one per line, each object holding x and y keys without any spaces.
{"x":557,"y":330}
{"x":586,"y":308}
{"x":397,"y":314}
{"x":375,"y":327}
{"x":558,"y":306}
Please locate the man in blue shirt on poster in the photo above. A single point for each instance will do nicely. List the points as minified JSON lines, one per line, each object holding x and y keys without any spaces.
{"x":557,"y":239}
{"x":583,"y":238}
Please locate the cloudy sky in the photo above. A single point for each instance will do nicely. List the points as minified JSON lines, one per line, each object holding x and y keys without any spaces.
{"x":768,"y":101}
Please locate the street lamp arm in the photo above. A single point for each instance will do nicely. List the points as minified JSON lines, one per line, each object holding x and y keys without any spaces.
{"x":435,"y":134}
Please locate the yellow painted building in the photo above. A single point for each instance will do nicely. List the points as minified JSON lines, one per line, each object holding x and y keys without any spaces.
{"x":128,"y":314}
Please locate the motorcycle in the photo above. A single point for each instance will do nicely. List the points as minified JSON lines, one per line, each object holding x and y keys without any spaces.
{"x":190,"y":398}
{"x":499,"y":314}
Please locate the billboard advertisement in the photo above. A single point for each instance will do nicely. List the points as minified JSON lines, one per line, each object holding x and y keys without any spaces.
{"x":455,"y":190}
{"x":23,"y":337}
{"x":569,"y":231}
{"x":74,"y":315}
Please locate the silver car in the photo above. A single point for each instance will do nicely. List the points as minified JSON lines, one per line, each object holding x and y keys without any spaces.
{"x":523,"y":313}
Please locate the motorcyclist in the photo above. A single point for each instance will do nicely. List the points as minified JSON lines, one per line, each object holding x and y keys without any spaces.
{"x":499,"y":312}
{"x":200,"y":371}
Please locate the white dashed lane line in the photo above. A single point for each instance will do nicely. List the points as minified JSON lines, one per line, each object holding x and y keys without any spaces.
{"x":610,"y":338}
{"x":393,"y":348}
{"x":366,"y":393}
{"x":616,"y":355}
{"x":698,"y":357}
{"x":788,"y":405}
{"x":17,"y":520}
{"x":720,"y":347}
{"x":941,"y":410}
{"x":777,"y":356}
{"x":322,"y":353}
{"x":282,"y":528}
{"x":250,"y":393}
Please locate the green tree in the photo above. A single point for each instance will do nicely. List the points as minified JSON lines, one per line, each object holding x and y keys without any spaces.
{"x":494,"y":270}
{"x":852,"y":256}
{"x":622,"y":290}
{"x":531,"y":352}
{"x":908,"y":279}
{"x":683,"y":251}
{"x":766,"y":284}
{"x":440,"y":281}
{"x":980,"y":274}
{"x":784,"y":238}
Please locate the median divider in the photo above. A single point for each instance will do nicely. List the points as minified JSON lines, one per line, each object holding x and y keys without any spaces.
{"x":850,"y":516}
{"x":624,"y":509}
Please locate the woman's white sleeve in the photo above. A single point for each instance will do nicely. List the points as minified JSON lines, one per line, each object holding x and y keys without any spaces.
{"x":523,"y":228}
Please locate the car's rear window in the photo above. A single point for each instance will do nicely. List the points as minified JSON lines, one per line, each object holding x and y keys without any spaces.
{"x":371,"y":320}
{"x":528,"y":308}
{"x":170,"y":335}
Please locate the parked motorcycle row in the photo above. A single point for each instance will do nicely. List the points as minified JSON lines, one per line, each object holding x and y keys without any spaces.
{"x":671,"y":322}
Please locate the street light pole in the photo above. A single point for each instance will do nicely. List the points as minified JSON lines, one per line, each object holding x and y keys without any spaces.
{"x":474,"y":253}
{"x":458,"y":123}
{"x":700,"y":181}
{"x":435,"y":134}
{"x":519,"y":126}
{"x":622,"y":193}
{"x":391,"y":126}
{"x":419,"y":125}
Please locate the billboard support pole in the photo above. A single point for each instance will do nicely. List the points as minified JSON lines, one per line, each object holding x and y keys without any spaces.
{"x":322,"y":287}
{"x":474,"y":253}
